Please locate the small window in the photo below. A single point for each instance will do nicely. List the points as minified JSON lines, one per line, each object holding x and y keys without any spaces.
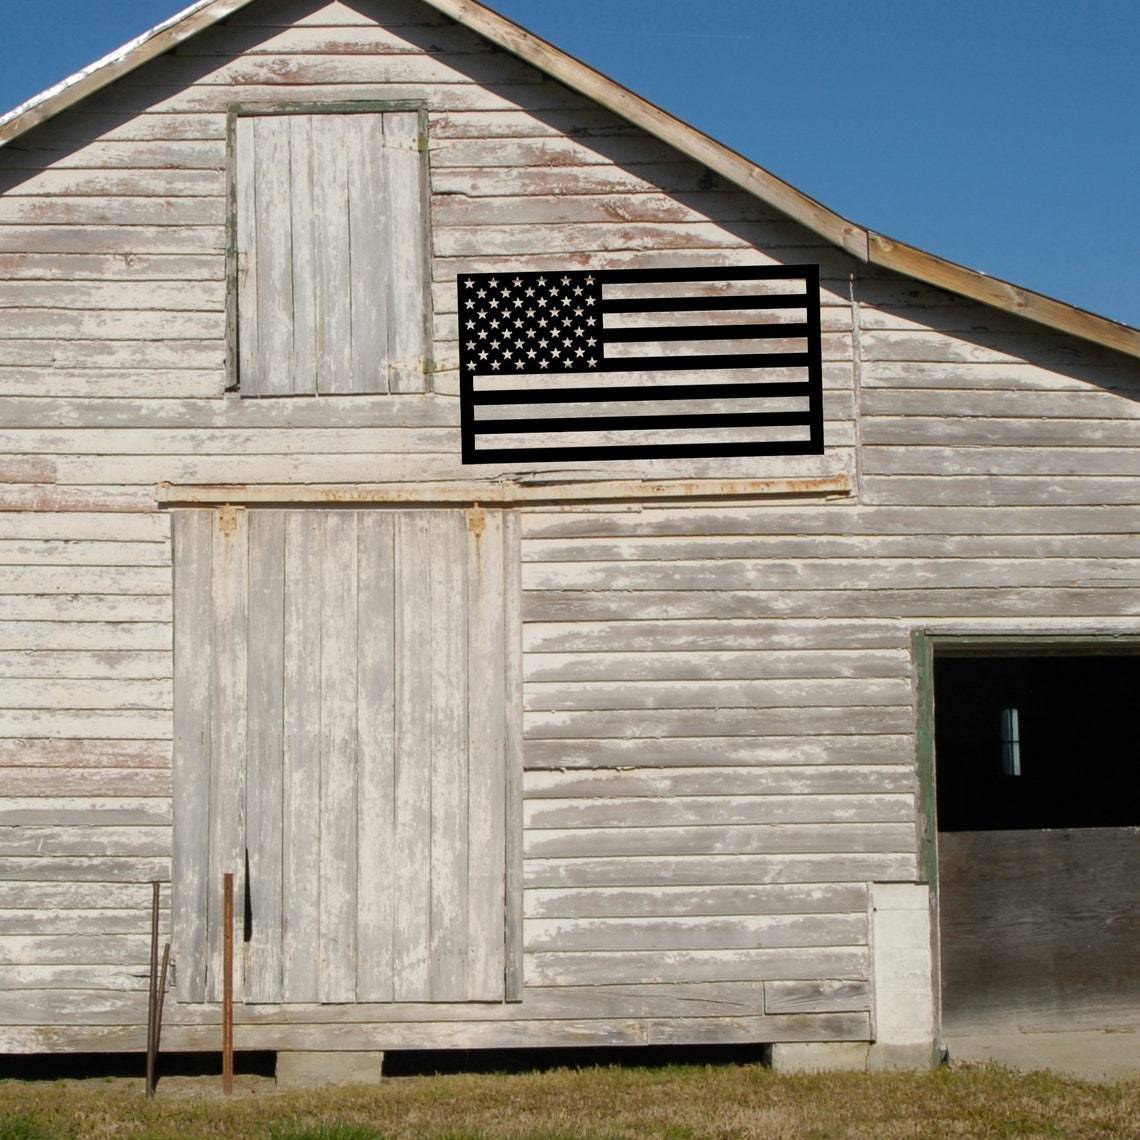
{"x":331,"y":266}
{"x":1011,"y":742}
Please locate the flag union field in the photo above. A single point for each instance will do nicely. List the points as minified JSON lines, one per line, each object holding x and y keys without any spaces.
{"x":640,"y":364}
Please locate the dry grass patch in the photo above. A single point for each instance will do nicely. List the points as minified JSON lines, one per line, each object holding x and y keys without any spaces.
{"x":672,"y":1103}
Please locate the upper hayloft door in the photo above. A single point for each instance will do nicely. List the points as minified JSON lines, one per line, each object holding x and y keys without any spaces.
{"x":330,"y":230}
{"x":341,"y":721}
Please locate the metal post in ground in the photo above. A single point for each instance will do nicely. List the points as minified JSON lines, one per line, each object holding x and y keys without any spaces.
{"x":152,"y":993}
{"x":228,"y":985}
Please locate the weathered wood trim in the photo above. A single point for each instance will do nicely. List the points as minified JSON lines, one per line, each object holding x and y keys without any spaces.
{"x":231,"y":272}
{"x":923,"y":266}
{"x":441,"y":1035}
{"x":514,"y":758}
{"x":312,"y":107}
{"x":431,"y":363}
{"x":967,"y":643}
{"x":98,"y":75}
{"x":176,"y":495}
{"x":192,"y":750}
{"x":922,"y":659}
{"x":697,"y":145}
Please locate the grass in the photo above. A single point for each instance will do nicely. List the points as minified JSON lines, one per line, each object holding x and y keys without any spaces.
{"x":742,"y":1102}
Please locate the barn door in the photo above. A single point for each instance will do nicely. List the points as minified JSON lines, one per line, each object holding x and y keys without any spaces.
{"x":341,"y":742}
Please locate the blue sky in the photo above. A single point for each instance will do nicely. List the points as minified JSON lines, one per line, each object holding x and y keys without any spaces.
{"x":1003,"y":134}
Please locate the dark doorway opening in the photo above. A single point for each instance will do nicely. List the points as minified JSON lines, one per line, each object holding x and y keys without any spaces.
{"x":1036,"y":742}
{"x":1038,"y":843}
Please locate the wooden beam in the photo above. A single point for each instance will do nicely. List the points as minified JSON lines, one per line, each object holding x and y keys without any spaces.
{"x":118,"y":63}
{"x":174,"y":495}
{"x":1047,"y":311}
{"x":608,"y":93}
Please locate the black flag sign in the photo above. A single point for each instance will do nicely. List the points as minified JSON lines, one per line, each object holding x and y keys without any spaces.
{"x":640,"y":364}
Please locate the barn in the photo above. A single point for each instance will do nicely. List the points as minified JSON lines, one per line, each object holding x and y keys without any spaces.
{"x":533,"y":712}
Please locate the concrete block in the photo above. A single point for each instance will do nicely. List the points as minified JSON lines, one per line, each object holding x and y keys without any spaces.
{"x":903,"y":965}
{"x":883,"y":1058}
{"x":818,"y":1056}
{"x":305,"y":1070}
{"x":901,"y":896}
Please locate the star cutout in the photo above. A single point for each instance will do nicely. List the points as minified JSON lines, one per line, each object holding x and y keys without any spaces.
{"x":530,"y":321}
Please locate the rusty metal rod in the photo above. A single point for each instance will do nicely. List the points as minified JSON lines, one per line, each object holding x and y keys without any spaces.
{"x":159,"y":1003}
{"x":228,"y":984}
{"x":152,"y":991}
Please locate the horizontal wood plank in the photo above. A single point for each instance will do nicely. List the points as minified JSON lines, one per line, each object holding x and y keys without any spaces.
{"x":660,"y":901}
{"x":648,"y":966}
{"x":710,"y":839}
{"x":708,"y":932}
{"x":599,"y":754}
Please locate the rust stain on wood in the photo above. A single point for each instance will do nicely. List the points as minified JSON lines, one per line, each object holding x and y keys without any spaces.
{"x":227,"y":520}
{"x":504,"y":491}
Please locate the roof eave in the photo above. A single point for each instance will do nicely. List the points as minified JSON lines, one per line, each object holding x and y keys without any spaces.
{"x":95,"y":76}
{"x":993,"y":291}
{"x":641,"y":112}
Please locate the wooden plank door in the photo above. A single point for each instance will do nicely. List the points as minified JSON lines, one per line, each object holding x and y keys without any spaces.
{"x":343,"y":702}
{"x":333,"y":277}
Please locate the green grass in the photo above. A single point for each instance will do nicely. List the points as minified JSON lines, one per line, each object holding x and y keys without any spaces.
{"x":673,"y":1103}
{"x":20,"y":1128}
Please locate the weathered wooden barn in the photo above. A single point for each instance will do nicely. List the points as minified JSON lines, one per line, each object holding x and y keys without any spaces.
{"x":592,"y":748}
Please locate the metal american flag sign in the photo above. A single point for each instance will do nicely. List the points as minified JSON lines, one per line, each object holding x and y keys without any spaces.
{"x":640,"y":364}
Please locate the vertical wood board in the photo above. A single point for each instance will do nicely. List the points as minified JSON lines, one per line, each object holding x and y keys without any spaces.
{"x":412,"y":785}
{"x":193,"y":648}
{"x":228,"y":733}
{"x":337,"y":804}
{"x":378,"y":870}
{"x":300,"y":929}
{"x":265,"y":751}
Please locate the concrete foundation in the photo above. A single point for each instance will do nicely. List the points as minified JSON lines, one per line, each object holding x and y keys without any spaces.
{"x":818,"y":1056}
{"x":302,"y":1070}
{"x":1089,"y":1055}
{"x":883,"y":1058}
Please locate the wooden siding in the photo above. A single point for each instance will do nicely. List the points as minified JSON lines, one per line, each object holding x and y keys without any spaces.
{"x":734,"y":678}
